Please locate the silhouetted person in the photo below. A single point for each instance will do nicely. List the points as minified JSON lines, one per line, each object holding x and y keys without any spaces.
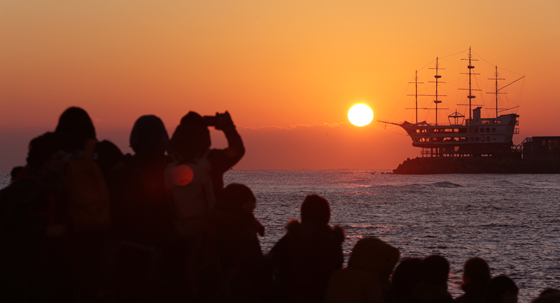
{"x":141,"y":213}
{"x":91,"y":248}
{"x":32,"y":263}
{"x":476,"y":276}
{"x":548,"y":295}
{"x":305,"y":258}
{"x":501,"y":289}
{"x":237,"y":245}
{"x":366,"y":278}
{"x":193,"y":180}
{"x":404,"y":279}
{"x":434,"y":272}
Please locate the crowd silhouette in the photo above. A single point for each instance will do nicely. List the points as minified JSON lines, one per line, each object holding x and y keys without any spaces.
{"x":82,"y":222}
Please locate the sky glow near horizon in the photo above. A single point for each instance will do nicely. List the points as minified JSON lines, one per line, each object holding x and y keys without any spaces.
{"x":271,"y":65}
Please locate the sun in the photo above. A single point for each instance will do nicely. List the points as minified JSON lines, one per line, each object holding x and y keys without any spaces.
{"x":360,"y":115}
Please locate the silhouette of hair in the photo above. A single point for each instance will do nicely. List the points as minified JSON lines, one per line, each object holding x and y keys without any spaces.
{"x":315,"y":209}
{"x":548,"y":295}
{"x":499,"y":286}
{"x":149,"y":135}
{"x":405,"y":277}
{"x":16,"y":172}
{"x":374,"y":255}
{"x":478,"y":273}
{"x":549,"y":291}
{"x":191,"y":137}
{"x":233,"y":196}
{"x":192,"y":118}
{"x":434,"y":270}
{"x":41,"y":149}
{"x":74,"y":128}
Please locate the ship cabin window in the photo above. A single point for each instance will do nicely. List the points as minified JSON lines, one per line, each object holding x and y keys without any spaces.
{"x":446,"y":130}
{"x":493,"y":129}
{"x":488,"y":139}
{"x":456,"y":148}
{"x":497,"y":121}
{"x":485,"y":121}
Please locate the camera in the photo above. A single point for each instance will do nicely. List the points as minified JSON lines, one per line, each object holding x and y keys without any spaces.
{"x":210,"y":120}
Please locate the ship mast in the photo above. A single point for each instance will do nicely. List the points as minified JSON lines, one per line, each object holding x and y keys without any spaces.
{"x":497,"y":89}
{"x":437,"y":76}
{"x":470,"y":96}
{"x":416,"y":95}
{"x":470,"y":89}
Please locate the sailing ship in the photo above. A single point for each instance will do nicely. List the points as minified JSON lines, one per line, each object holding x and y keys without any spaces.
{"x":472,"y":136}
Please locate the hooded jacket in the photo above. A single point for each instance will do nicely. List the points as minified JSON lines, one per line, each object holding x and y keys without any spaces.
{"x":365,"y":279}
{"x":305,"y":258}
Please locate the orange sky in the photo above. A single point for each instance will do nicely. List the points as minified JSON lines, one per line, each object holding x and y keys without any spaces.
{"x":287,"y":71}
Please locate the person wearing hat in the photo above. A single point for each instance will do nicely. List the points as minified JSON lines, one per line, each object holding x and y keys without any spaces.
{"x":235,"y":230}
{"x":304,"y":259}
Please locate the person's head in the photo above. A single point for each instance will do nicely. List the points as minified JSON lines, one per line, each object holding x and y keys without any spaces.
{"x":315,"y":209}
{"x":149,"y":136}
{"x":549,"y":291}
{"x":237,"y":197}
{"x":406,"y":276}
{"x":374,"y":255}
{"x":74,"y":128}
{"x":45,"y":153}
{"x":191,"y":138}
{"x":548,"y":295}
{"x":476,"y":275}
{"x":501,"y":289}
{"x":434,"y":270}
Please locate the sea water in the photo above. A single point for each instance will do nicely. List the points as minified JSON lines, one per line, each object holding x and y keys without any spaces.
{"x":512,"y":221}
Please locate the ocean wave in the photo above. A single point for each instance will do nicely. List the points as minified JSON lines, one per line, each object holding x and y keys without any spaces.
{"x":446,"y":184}
{"x":506,"y":183}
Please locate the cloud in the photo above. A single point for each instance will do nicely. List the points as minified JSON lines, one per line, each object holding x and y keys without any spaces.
{"x":318,"y":146}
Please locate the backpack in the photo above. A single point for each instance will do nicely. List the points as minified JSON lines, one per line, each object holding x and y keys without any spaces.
{"x":192,"y":195}
{"x":87,"y":193}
